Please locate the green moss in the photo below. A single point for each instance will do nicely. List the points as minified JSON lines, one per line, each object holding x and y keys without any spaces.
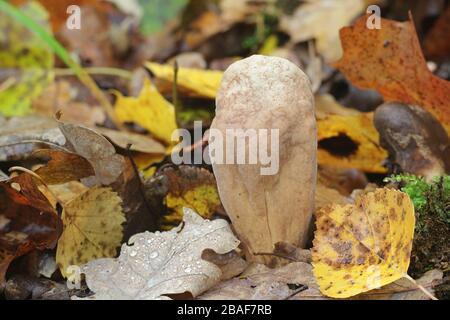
{"x":431,"y":200}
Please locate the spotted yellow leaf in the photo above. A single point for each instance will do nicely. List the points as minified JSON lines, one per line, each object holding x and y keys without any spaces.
{"x":196,"y":82}
{"x":150,"y":110}
{"x":363,"y":246}
{"x":92,"y":228}
{"x":25,"y":61}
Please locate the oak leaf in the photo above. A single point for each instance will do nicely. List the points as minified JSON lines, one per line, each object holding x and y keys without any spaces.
{"x":390,"y":61}
{"x":92,"y":228}
{"x":155,"y":265}
{"x":363,"y":246}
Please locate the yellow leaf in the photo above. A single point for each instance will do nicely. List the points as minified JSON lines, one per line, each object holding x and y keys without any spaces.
{"x":150,"y":110}
{"x":189,"y":187}
{"x":363,"y":246}
{"x":269,"y":45}
{"x":196,"y":82}
{"x":92,"y":228}
{"x":350,"y":141}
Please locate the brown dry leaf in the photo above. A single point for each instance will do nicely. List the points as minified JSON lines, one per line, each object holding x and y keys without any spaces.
{"x":321,"y":20}
{"x":326,"y":196}
{"x":92,"y":228}
{"x":343,"y":180}
{"x":61,"y":96}
{"x":262,"y":283}
{"x":62,"y":166}
{"x":156,"y":265}
{"x":138,"y":142}
{"x":211,"y":22}
{"x":27,"y":220}
{"x":435,"y":45}
{"x":107,"y":164}
{"x":390,"y":61}
{"x":350,"y":141}
{"x":363,"y":246}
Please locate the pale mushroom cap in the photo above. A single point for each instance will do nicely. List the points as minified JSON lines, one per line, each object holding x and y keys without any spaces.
{"x":261,"y":81}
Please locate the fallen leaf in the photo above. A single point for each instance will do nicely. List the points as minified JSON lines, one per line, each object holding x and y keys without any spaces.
{"x":196,"y":82}
{"x":107,"y":164}
{"x":27,"y":220}
{"x":363,"y":246}
{"x":350,"y":141}
{"x":92,"y":228}
{"x":155,"y":265}
{"x":25,"y":61}
{"x":190,"y":187}
{"x":435,"y":46}
{"x":19,"y":136}
{"x":321,"y":20}
{"x":262,"y":283}
{"x":390,"y":61}
{"x":62,"y":166}
{"x":137,"y":142}
{"x":150,"y":110}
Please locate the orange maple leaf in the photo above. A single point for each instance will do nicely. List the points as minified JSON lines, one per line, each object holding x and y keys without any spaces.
{"x":390,"y":61}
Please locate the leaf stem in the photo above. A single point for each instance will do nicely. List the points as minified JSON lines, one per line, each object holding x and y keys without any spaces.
{"x":96,"y":70}
{"x":428,"y":293}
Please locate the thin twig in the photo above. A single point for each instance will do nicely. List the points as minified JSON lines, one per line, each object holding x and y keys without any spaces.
{"x":275,"y":255}
{"x":95,"y":70}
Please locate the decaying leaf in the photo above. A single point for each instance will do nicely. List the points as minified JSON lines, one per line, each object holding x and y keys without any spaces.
{"x":27,"y":220}
{"x":321,"y":20}
{"x":25,"y":61}
{"x":363,"y":246}
{"x":107,"y":164}
{"x":190,"y":187}
{"x":19,"y":136}
{"x":262,"y":283}
{"x":62,"y":166}
{"x":390,"y":61}
{"x":92,"y":228}
{"x":196,"y":82}
{"x":150,"y":110}
{"x":350,"y":141}
{"x":155,"y":265}
{"x":137,"y":142}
